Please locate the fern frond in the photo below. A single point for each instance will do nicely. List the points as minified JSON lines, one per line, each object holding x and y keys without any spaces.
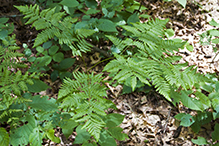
{"x":123,"y":68}
{"x":84,"y":97}
{"x":55,"y":24}
{"x":150,"y":65}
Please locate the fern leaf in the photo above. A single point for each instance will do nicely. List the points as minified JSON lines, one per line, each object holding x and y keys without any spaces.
{"x":53,"y":25}
{"x":84,"y":96}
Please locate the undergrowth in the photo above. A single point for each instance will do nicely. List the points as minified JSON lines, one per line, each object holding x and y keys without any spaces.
{"x":141,"y":55}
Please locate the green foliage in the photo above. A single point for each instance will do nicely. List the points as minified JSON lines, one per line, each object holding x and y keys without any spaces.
{"x":53,"y":25}
{"x":149,"y":63}
{"x":210,"y":37}
{"x":4,"y":137}
{"x":12,"y":83}
{"x":143,"y":59}
{"x":204,"y":116}
{"x":83,"y":98}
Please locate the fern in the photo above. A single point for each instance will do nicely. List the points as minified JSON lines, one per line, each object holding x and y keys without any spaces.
{"x":150,"y":64}
{"x":53,"y":25}
{"x":12,"y":84}
{"x":84,"y":99}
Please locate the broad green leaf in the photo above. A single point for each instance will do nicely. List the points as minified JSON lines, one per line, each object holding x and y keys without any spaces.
{"x":53,"y":50}
{"x":31,"y":59}
{"x":215,"y":115}
{"x":113,"y":120}
{"x":215,"y":134}
{"x":201,"y":118}
{"x":69,"y":10}
{"x":215,"y":104}
{"x":189,"y":48}
{"x":58,"y":57}
{"x":82,"y":135}
{"x":40,"y":49}
{"x":25,"y":45}
{"x":106,"y":139}
{"x":66,"y":63}
{"x":189,"y":102}
{"x":215,"y":41}
{"x":200,"y":141}
{"x":133,"y":18}
{"x":213,"y":32}
{"x":91,"y":3}
{"x":50,"y":135}
{"x":88,"y":143}
{"x":45,"y":60}
{"x":116,"y":132}
{"x":135,"y":6}
{"x":186,"y":119}
{"x":106,"y":25}
{"x":182,"y":2}
{"x":64,"y":75}
{"x":145,"y":16}
{"x":92,"y":11}
{"x":115,"y":49}
{"x":68,"y":127}
{"x":4,"y":137}
{"x":43,"y":103}
{"x":36,"y":137}
{"x":3,"y":34}
{"x":217,"y":87}
{"x":107,"y":13}
{"x":54,"y":75}
{"x":203,"y":99}
{"x":3,"y":20}
{"x":213,"y":95}
{"x":169,"y":33}
{"x":37,"y":86}
{"x":214,"y":23}
{"x":27,"y":52}
{"x":70,"y":3}
{"x":208,"y":87}
{"x":47,"y":45}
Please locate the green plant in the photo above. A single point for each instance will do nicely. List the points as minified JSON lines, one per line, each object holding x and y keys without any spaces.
{"x":142,"y":57}
{"x":206,"y":116}
{"x":83,"y":99}
{"x":13,"y":85}
{"x":149,"y":62}
{"x":209,"y":111}
{"x":210,"y":37}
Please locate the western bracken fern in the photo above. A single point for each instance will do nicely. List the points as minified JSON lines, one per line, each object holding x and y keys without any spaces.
{"x":56,"y":24}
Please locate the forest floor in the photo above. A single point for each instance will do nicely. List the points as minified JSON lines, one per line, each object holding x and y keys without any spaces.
{"x":149,"y":118}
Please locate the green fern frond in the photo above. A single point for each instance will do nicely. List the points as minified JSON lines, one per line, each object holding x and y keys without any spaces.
{"x":123,"y":68}
{"x":150,"y":64}
{"x":55,"y":24}
{"x":84,"y":97}
{"x":12,"y":84}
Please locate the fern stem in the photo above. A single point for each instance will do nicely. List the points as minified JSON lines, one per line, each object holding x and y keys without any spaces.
{"x":100,"y":62}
